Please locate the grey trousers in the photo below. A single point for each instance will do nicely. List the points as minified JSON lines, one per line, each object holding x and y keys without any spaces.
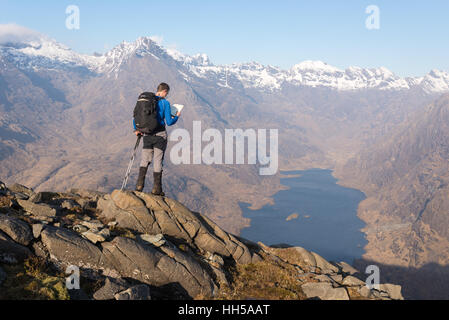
{"x":154,"y":154}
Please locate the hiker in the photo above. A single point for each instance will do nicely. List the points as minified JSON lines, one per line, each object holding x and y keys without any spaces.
{"x":151,"y":114}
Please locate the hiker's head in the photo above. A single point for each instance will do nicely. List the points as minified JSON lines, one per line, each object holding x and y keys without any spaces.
{"x":162,"y":90}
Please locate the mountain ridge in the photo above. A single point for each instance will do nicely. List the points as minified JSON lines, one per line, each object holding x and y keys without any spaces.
{"x":50,"y":53}
{"x":405,"y":178}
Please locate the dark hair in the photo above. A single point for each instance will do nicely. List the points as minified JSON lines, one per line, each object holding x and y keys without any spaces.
{"x":163,"y":86}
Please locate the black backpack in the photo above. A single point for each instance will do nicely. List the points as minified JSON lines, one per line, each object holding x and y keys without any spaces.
{"x":145,"y":113}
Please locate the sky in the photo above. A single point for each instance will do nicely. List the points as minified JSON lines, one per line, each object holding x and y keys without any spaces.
{"x":412,"y":39}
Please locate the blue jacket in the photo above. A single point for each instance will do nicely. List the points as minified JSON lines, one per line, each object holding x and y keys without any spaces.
{"x":164,"y":114}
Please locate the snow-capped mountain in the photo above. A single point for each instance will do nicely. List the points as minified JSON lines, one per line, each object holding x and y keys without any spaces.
{"x":320,"y":74}
{"x":40,"y":51}
{"x":434,"y":81}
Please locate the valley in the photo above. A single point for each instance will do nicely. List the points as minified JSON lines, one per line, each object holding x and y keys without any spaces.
{"x":65,"y":122}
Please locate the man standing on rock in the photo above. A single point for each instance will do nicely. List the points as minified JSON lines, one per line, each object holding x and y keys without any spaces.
{"x":151,"y":113}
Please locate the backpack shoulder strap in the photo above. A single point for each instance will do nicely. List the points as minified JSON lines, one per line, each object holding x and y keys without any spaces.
{"x":147,"y":96}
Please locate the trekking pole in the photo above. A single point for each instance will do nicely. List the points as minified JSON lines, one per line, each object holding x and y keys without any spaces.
{"x":130,"y":165}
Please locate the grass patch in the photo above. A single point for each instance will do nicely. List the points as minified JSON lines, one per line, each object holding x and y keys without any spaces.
{"x":268,"y":279}
{"x":32,"y":280}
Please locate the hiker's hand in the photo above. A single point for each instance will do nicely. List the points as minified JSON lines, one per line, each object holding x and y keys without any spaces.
{"x":178,"y":114}
{"x":138,"y":133}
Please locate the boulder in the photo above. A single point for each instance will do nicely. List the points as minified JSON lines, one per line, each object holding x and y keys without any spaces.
{"x":68,"y":248}
{"x":38,"y":210}
{"x":304,"y":259}
{"x":214,"y":258}
{"x":86,"y":203}
{"x":338,"y":278}
{"x":324,"y":291}
{"x":40,"y":250}
{"x":352,"y":281}
{"x":37,"y":229}
{"x":346,"y":268}
{"x":18,"y":188}
{"x":110,"y":288}
{"x":43,"y":196}
{"x":112,"y":224}
{"x":132,"y":214}
{"x":208,"y":235}
{"x":94,"y":237}
{"x":148,"y":265}
{"x":324,"y":265}
{"x":93,"y":224}
{"x":365,"y":292}
{"x":16,"y":229}
{"x":139,"y":292}
{"x":306,"y":256}
{"x":220,"y":276}
{"x":80,"y":228}
{"x":11,"y":252}
{"x":70,"y":204}
{"x":20,"y":196}
{"x":105,"y":232}
{"x":185,"y":265}
{"x":156,"y":240}
{"x":394,"y":291}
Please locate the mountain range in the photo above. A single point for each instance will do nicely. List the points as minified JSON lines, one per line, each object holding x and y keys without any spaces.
{"x":44,"y":53}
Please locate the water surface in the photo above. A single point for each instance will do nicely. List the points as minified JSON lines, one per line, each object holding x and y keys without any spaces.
{"x":326,"y":222}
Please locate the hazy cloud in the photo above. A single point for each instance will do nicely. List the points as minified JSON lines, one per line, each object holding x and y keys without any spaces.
{"x":12,"y":32}
{"x":157,"y":39}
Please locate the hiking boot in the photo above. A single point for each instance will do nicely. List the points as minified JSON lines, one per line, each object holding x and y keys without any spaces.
{"x":157,"y":186}
{"x":141,"y":179}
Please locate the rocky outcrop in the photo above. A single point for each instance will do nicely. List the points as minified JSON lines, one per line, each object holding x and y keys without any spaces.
{"x":144,"y":213}
{"x":331,"y":280}
{"x":149,"y":265}
{"x":141,"y":246}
